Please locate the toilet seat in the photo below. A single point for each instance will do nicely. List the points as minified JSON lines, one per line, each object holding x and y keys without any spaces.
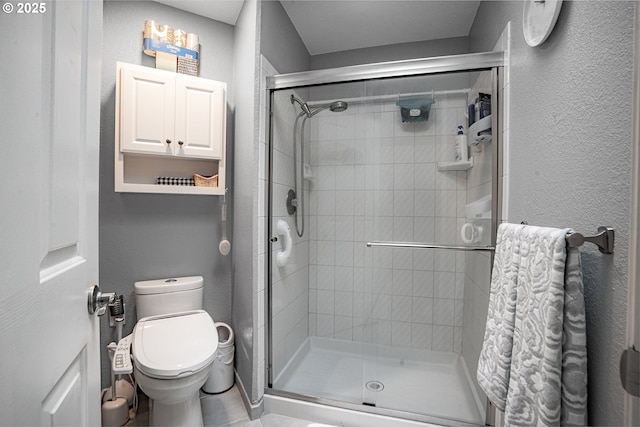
{"x":174,"y":345}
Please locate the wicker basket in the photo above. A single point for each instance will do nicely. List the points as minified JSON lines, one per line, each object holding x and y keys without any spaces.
{"x":206,"y":181}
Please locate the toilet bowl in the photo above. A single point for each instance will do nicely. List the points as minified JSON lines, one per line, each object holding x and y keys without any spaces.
{"x":172,"y":357}
{"x":173,"y":352}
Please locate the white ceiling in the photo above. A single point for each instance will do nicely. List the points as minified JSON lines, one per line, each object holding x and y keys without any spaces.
{"x":226,"y":11}
{"x":335,"y":25}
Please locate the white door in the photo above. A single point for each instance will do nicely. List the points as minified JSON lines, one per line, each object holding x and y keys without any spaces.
{"x":146,"y":114}
{"x":49,"y":129}
{"x":200,"y":117}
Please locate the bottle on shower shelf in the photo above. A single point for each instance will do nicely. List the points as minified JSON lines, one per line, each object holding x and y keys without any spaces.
{"x":462,"y":154}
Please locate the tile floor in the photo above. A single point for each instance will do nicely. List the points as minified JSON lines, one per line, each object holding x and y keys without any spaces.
{"x":227,"y":410}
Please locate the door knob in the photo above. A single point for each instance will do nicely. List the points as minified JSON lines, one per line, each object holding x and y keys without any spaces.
{"x":97,"y":301}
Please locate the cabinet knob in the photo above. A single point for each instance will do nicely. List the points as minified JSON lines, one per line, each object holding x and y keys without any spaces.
{"x":180,"y":143}
{"x":168,"y":141}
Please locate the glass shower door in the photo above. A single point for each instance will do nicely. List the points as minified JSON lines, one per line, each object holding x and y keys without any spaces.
{"x":313,"y":351}
{"x":416,"y":191}
{"x":381,"y":328}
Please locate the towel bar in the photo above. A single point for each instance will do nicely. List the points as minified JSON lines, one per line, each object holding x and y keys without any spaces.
{"x":430,"y":246}
{"x":604,"y":239}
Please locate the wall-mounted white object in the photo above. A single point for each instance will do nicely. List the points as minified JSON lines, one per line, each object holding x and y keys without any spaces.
{"x":168,"y":124}
{"x":539,"y":18}
{"x":471,"y":233}
{"x":480,"y":132}
{"x":481,"y":208}
{"x":225,"y":246}
{"x":283,"y":230}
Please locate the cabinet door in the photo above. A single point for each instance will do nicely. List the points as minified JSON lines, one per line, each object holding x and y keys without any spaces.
{"x":147,"y":100}
{"x":200,"y":117}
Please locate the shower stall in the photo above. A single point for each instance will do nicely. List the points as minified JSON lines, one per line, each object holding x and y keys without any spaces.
{"x":380,"y":235}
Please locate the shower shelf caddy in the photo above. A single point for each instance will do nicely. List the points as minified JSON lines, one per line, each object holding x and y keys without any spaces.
{"x":456,"y":166}
{"x":480,"y":131}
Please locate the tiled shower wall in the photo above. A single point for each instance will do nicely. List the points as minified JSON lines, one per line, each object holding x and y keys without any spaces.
{"x":376,"y":178}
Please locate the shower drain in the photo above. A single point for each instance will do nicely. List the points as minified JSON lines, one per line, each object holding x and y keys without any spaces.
{"x":375,"y":386}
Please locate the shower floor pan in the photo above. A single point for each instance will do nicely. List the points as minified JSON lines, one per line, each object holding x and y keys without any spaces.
{"x":417,"y":381}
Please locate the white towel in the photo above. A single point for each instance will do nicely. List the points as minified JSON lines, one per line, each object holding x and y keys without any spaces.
{"x":533,"y":361}
{"x":494,"y":365}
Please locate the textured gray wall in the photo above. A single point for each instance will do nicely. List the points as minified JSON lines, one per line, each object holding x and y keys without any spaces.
{"x":279,"y":40}
{"x":245,"y":194}
{"x":571,"y":139}
{"x":144,"y":236}
{"x":394,"y":52}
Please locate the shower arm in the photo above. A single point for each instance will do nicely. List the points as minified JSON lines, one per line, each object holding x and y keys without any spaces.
{"x":303,"y":106}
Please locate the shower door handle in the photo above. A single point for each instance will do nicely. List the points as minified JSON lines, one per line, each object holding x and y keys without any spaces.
{"x":283,"y":256}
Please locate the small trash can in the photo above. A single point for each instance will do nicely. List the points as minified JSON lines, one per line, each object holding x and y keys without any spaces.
{"x":221,"y":376}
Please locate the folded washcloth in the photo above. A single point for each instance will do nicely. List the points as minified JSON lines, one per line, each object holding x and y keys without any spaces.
{"x":533,"y":361}
{"x":171,"y":180}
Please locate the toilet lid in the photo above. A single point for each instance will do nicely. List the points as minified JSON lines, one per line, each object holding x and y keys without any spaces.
{"x":170,"y":346}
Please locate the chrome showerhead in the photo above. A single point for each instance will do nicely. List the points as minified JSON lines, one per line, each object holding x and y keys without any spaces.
{"x":336,"y":107}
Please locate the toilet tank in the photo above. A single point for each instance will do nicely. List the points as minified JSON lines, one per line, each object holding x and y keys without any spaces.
{"x":167,"y":296}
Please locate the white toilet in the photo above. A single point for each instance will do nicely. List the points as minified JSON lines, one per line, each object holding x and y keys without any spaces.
{"x":173,"y":347}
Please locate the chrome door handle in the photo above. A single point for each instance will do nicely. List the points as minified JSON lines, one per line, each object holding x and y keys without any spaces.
{"x":97,"y":301}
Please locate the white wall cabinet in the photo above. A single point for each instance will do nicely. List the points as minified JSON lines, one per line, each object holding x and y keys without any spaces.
{"x":168,"y":125}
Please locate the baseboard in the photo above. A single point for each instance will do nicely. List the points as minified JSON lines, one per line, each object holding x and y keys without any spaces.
{"x":254,"y":409}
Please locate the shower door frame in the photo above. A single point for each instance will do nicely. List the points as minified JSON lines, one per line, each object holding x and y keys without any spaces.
{"x":486,"y":61}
